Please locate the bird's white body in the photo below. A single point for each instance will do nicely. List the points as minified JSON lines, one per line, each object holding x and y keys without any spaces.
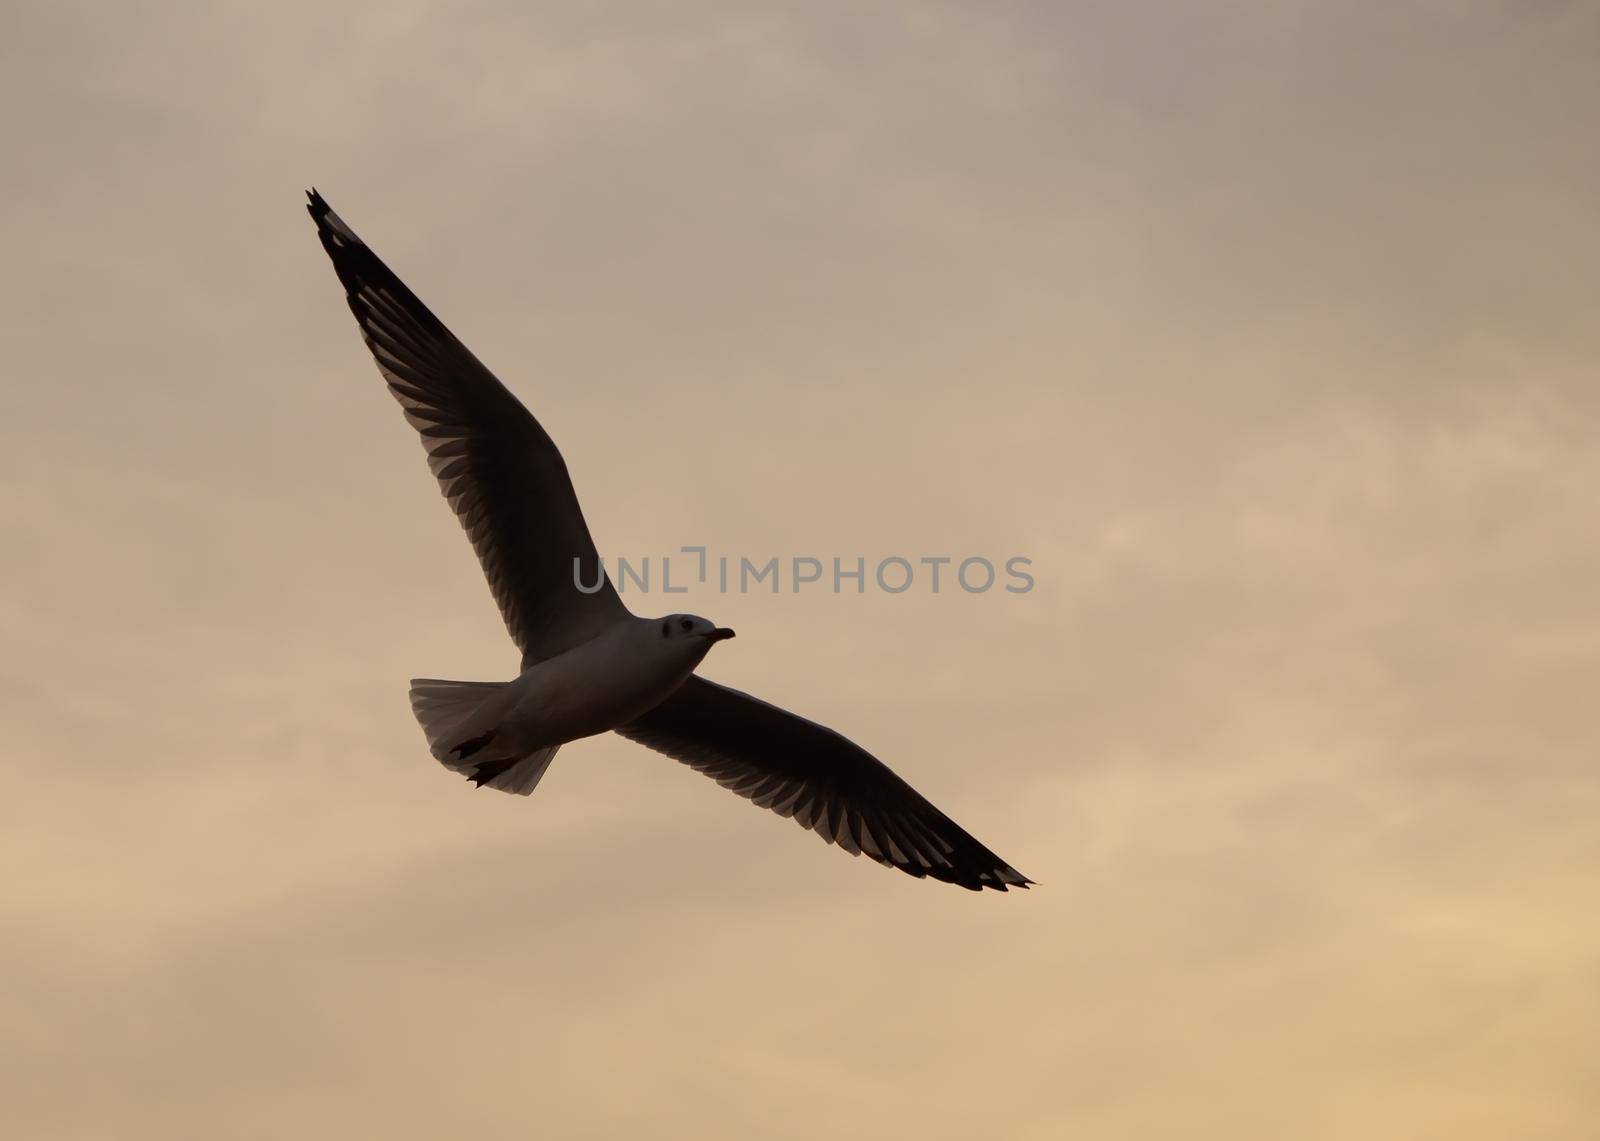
{"x":622,"y":673}
{"x":504,"y":733}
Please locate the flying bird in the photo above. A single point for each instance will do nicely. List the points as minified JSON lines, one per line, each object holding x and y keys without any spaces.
{"x":589,"y":666}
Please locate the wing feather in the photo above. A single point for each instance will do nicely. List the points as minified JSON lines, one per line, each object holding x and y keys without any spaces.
{"x":827,"y":783}
{"x":495,"y":464}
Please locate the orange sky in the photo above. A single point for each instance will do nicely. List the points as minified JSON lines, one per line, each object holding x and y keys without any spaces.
{"x":1266,"y":330}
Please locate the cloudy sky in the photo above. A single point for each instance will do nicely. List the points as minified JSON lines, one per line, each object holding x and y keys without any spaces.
{"x":1266,"y":330}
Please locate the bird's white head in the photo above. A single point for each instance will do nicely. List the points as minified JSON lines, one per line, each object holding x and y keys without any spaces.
{"x":692,"y":631}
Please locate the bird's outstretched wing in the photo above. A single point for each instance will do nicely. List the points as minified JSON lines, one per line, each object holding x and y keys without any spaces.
{"x":827,"y":783}
{"x":498,"y":468}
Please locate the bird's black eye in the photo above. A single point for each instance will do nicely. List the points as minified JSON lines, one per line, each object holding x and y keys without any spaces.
{"x":686,"y":624}
{"x":666,"y":628}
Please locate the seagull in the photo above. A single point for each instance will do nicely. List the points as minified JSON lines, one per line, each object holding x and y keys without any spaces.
{"x":589,"y":666}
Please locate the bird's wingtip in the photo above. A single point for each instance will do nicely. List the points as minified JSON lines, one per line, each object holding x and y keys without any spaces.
{"x":1005,"y":879}
{"x":335,"y":233}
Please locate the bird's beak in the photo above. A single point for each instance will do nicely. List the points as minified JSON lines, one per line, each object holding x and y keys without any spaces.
{"x":721,"y":633}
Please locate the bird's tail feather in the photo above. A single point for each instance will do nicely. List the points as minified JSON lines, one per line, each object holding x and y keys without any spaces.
{"x":460,"y":719}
